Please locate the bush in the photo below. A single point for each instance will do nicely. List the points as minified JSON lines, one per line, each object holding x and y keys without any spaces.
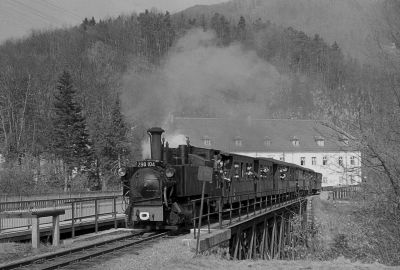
{"x":17,"y":181}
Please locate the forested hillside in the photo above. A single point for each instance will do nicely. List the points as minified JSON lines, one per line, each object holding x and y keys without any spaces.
{"x":121,"y":76}
{"x":94,"y":56}
{"x":354,"y":24}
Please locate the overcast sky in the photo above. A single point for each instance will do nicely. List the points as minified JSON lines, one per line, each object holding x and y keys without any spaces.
{"x":19,"y":17}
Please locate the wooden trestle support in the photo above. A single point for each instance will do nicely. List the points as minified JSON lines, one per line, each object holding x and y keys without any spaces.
{"x":269,"y":237}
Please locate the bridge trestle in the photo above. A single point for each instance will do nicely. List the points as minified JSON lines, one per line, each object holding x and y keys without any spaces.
{"x":270,"y":236}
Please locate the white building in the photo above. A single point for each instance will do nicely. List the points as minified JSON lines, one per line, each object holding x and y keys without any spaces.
{"x":309,"y":143}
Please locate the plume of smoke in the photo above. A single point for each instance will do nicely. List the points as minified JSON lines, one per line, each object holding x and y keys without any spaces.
{"x":146,"y":150}
{"x":198,"y":78}
{"x":174,"y":140}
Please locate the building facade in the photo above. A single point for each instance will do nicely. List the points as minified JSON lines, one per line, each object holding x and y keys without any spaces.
{"x":309,"y":143}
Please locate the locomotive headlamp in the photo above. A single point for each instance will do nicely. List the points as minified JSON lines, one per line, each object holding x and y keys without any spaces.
{"x":121,"y":171}
{"x":169,"y":172}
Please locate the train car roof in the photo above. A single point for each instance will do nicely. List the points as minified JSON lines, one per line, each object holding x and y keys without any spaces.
{"x":279,"y":162}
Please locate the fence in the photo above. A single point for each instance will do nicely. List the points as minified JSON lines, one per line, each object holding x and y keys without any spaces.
{"x":13,"y":198}
{"x":76,"y":210}
{"x":343,"y":192}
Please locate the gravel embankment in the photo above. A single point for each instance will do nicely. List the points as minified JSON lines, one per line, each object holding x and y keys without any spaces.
{"x":172,"y":254}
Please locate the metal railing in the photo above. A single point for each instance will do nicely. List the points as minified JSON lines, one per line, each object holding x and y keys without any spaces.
{"x":53,"y":196}
{"x":342,"y":192}
{"x":245,"y":204}
{"x":77,"y":210}
{"x":345,"y":192}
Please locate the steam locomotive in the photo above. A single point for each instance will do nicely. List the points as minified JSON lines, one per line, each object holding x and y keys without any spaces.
{"x":160,"y":189}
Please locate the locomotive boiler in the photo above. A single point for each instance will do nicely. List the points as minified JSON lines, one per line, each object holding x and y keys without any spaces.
{"x":160,"y":189}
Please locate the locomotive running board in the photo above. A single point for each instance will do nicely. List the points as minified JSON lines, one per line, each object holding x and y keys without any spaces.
{"x":169,"y":227}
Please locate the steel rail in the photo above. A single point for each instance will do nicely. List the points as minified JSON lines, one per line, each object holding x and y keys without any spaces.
{"x":71,"y":256}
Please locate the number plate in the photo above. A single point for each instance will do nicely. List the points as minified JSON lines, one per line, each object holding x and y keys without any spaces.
{"x":146,"y":163}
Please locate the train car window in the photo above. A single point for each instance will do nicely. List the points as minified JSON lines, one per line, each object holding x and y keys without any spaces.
{"x":236,"y":167}
{"x":283,"y":171}
{"x":265,"y":172}
{"x":228,"y":162}
{"x":256,"y":165}
{"x":268,"y":172}
{"x":249,"y":171}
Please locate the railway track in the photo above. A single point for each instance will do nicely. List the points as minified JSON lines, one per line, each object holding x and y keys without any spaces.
{"x":72,"y":257}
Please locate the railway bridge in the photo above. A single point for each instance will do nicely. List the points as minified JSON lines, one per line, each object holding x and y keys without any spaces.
{"x":269,"y":227}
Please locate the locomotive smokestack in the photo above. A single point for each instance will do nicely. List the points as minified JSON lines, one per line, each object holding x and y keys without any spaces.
{"x":155,"y":142}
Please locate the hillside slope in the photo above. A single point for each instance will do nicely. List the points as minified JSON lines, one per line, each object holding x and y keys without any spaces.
{"x":354,"y":24}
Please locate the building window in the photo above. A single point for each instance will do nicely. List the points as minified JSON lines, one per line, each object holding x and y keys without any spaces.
{"x":302,"y":161}
{"x":324,"y":179}
{"x":295,"y":141}
{"x":267,"y":141}
{"x":238,"y":141}
{"x":340,"y":161}
{"x":320,"y":141}
{"x":206,"y":140}
{"x":314,"y":161}
{"x":352,"y":181}
{"x":353,"y":160}
{"x":325,"y":160}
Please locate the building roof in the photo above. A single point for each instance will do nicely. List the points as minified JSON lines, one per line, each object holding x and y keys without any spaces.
{"x":284,"y":135}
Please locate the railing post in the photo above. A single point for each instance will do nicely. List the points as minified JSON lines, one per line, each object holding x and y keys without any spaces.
{"x":230,"y":209}
{"x":115,"y":211}
{"x":73,"y":219}
{"x":96,"y":212}
{"x":80,"y":207}
{"x":220,"y":212}
{"x":208,"y":215}
{"x":248,"y":202}
{"x":254,"y":203}
{"x":194,"y":218}
{"x":266,"y":201}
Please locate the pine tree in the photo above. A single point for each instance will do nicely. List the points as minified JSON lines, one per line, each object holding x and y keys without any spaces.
{"x":70,"y":137}
{"x":110,"y":145}
{"x":116,"y":144}
{"x":241,"y":29}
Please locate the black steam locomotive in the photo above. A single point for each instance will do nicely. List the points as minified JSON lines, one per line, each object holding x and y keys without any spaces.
{"x":160,"y":189}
